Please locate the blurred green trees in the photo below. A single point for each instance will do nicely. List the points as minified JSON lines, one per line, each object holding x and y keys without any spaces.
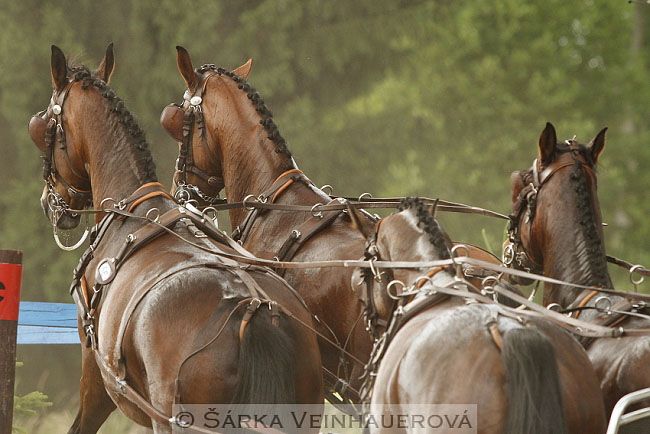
{"x":438,"y":98}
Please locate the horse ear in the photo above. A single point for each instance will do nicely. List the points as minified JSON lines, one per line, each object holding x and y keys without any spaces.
{"x":185,"y":67}
{"x":597,"y":145}
{"x":356,"y":218}
{"x":547,"y":142}
{"x":244,"y":70}
{"x":433,"y":208}
{"x":105,"y":68}
{"x":59,"y":68}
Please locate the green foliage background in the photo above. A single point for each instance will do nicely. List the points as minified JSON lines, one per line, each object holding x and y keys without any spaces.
{"x":439,"y":98}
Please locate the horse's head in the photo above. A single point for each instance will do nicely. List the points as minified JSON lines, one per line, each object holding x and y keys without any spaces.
{"x":555,"y":204}
{"x":221,"y":126}
{"x":413,"y":234}
{"x":59,"y":133}
{"x":198,"y":124}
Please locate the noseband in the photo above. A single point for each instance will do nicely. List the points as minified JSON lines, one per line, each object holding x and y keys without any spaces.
{"x":46,"y":133}
{"x":176,"y":115}
{"x":514,"y":253}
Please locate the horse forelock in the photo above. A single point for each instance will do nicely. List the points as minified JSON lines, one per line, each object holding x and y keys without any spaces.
{"x":134,"y":140}
{"x":260,"y":107}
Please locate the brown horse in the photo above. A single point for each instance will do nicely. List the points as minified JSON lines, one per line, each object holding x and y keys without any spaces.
{"x":526,"y":375}
{"x":172,"y":324}
{"x":557,"y":231}
{"x":235,"y":143}
{"x":228,"y":138}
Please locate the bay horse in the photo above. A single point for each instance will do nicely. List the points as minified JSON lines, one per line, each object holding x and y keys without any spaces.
{"x":227,"y":138}
{"x":175,"y":324}
{"x":557,"y":231}
{"x":525,"y":374}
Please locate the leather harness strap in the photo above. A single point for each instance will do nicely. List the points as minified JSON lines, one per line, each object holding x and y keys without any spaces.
{"x":496,"y":335}
{"x":281,"y":183}
{"x":148,"y":191}
{"x":304,"y":233}
{"x":583,"y":302}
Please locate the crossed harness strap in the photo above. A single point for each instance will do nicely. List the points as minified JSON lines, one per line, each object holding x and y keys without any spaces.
{"x":280,"y":185}
{"x":299,"y":236}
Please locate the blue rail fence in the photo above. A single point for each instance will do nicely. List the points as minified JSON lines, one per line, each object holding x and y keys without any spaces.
{"x":47,"y":323}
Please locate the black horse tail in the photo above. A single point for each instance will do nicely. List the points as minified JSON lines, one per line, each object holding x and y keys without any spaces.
{"x":532,"y":383}
{"x":267,"y":363}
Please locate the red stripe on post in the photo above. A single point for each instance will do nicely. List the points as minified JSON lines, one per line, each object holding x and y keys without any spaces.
{"x":10,"y":277}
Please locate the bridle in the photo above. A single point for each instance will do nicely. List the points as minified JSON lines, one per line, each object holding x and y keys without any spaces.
{"x":179,"y":120}
{"x":515,"y":254}
{"x":47,"y":134}
{"x":372,"y":276}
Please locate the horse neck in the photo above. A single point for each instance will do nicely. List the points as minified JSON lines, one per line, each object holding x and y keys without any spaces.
{"x":568,"y":229}
{"x":115,"y":158}
{"x":250,"y":163}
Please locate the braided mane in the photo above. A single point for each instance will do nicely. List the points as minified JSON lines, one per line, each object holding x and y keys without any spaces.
{"x":429,"y":224}
{"x":267,"y":116}
{"x":118,"y":114}
{"x":591,"y":249}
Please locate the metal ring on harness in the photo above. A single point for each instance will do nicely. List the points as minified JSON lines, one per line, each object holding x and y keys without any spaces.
{"x":603,"y":304}
{"x":458,"y":267}
{"x":101,"y":204}
{"x":641,"y":278}
{"x":208,"y":210}
{"x":390,"y":284}
{"x":155,"y":219}
{"x":360,"y":199}
{"x":328,"y":187}
{"x":316,"y":213}
{"x":249,"y":208}
{"x":555,"y":307}
{"x":182,"y":194}
{"x":487,"y":288}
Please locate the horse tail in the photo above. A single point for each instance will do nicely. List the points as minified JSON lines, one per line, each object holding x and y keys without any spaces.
{"x":267,"y":365}
{"x":532,"y":383}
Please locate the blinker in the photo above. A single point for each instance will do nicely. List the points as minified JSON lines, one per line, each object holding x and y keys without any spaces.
{"x":172,"y":120}
{"x":37,"y":129}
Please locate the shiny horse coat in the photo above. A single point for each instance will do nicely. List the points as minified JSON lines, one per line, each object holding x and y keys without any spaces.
{"x":168,"y":324}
